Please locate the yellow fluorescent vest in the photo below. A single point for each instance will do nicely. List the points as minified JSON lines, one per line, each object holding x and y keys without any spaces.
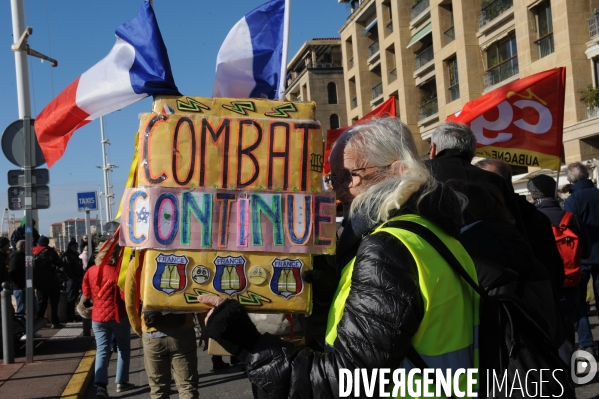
{"x":447,"y":337}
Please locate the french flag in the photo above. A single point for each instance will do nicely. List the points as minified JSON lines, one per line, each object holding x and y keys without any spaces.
{"x":136,"y":67}
{"x":252,"y":59}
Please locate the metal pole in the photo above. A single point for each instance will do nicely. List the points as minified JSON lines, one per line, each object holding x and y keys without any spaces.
{"x":7,"y":327}
{"x":100,"y":213}
{"x":88,"y":229}
{"x":22,"y":71}
{"x":106,"y":169}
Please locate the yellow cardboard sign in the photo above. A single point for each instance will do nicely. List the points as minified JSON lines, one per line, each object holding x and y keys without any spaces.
{"x":206,"y":147}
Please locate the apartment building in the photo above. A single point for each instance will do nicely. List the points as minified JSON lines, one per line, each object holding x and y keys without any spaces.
{"x":316,"y":74}
{"x":436,"y":55}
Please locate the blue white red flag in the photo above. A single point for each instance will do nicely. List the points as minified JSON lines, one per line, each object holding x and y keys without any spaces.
{"x":252,"y":59}
{"x":136,"y":67}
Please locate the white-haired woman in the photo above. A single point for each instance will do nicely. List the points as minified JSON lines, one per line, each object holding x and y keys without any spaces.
{"x":397,"y":297}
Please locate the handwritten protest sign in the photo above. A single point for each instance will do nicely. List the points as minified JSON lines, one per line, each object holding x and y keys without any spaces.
{"x":228,"y":202}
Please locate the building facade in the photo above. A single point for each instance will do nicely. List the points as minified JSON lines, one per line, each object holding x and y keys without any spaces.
{"x":436,"y":55}
{"x":62,"y":232}
{"x":316,"y":74}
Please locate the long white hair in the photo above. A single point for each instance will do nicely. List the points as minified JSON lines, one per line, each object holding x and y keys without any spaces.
{"x":382,"y":142}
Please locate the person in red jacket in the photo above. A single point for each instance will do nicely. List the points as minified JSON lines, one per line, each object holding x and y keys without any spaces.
{"x":108,"y":317}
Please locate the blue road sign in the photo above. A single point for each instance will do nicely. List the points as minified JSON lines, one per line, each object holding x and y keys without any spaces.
{"x":87,"y":201}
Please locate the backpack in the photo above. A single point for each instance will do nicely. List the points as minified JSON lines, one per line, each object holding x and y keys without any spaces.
{"x":568,"y":245}
{"x":516,"y":347}
{"x":45,"y":275}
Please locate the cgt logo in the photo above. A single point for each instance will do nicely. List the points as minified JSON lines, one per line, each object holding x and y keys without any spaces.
{"x":583,"y":363}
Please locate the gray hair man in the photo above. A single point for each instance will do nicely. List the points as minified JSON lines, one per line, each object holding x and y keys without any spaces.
{"x":453,"y":146}
{"x":584,"y":203}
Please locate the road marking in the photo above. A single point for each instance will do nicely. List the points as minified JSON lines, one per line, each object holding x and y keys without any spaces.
{"x":81,"y":377}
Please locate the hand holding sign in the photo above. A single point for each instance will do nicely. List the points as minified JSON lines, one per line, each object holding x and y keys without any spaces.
{"x":211,"y":300}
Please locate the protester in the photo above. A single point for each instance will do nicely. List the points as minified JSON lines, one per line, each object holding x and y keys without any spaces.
{"x":453,"y":147}
{"x":376,"y":320}
{"x":71,"y":265}
{"x":83,"y":242}
{"x":536,"y":223}
{"x":46,"y":280}
{"x":84,"y":256}
{"x":4,"y":250}
{"x":542,"y":190}
{"x":19,"y":234}
{"x":108,"y":317}
{"x":584,"y":203}
{"x":169,"y":341}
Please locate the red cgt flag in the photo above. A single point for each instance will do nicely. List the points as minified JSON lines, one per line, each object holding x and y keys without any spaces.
{"x":386,"y":109}
{"x":522,"y":122}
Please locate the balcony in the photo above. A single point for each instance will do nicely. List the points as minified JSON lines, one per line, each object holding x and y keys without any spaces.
{"x":393,"y":75}
{"x":424,"y":57}
{"x":592,"y":112}
{"x":449,"y":35}
{"x":501,"y":72}
{"x":352,"y":6}
{"x":390,"y":27}
{"x":429,"y":109}
{"x":418,"y":8}
{"x":545,"y":45}
{"x":492,"y":10}
{"x":377,"y":91}
{"x":594,"y":26}
{"x":454,"y":92}
{"x":354,"y":102}
{"x":373,"y":48}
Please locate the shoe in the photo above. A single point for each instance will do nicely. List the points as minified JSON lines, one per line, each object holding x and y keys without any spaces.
{"x":125,"y":386}
{"x":35,"y":335}
{"x":101,"y":392}
{"x":57,"y":326}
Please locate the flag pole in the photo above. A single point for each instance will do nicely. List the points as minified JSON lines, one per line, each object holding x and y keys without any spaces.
{"x":285,"y":50}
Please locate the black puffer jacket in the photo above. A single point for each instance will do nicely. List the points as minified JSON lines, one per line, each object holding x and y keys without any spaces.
{"x":382,"y":313}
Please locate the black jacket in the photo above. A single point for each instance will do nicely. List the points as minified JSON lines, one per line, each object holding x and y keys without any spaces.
{"x":71,"y":265}
{"x":584,"y":203}
{"x":16,"y":268}
{"x":382,"y":313}
{"x":453,"y":164}
{"x":4,"y":273}
{"x":542,"y":240}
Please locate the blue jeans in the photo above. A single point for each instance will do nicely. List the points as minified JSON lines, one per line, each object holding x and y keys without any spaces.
{"x":103,"y":333}
{"x":20,"y":297}
{"x":585,"y":337}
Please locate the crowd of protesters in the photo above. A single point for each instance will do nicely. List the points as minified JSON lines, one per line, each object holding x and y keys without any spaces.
{"x":386,"y":299}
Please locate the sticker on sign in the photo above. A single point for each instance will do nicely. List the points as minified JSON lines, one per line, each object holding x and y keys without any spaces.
{"x":87,"y":201}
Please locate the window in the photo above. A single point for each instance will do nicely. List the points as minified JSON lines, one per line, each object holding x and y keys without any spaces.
{"x":334,"y":121}
{"x":454,"y":80}
{"x":544,"y":24}
{"x":502,"y":61}
{"x":332,"y":90}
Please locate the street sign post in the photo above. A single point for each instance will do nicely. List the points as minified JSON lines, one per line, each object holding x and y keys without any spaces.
{"x":87,"y":202}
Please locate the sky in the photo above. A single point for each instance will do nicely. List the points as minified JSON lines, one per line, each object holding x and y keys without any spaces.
{"x":79,"y":33}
